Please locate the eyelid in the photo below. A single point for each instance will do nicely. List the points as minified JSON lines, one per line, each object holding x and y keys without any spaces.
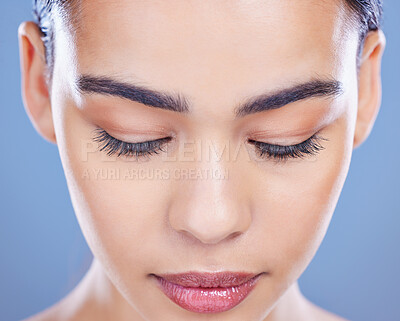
{"x":310,"y":146}
{"x":133,"y":136}
{"x":111,"y":145}
{"x":293,"y":135}
{"x":286,"y":135}
{"x":282,"y":145}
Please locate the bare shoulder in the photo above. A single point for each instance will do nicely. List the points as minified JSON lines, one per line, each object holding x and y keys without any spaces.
{"x":320,"y":314}
{"x":60,"y":311}
{"x":51,"y":313}
{"x":72,"y":307}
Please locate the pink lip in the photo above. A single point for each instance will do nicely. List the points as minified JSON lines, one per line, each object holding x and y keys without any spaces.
{"x":207,"y":292}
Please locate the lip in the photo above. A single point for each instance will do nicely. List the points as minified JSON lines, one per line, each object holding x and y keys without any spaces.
{"x":207,"y":292}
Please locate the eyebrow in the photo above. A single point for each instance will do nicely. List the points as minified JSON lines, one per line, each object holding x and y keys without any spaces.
{"x":152,"y":98}
{"x":324,"y":88}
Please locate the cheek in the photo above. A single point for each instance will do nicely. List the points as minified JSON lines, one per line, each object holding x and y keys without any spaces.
{"x":120,"y":205}
{"x":297,"y":201}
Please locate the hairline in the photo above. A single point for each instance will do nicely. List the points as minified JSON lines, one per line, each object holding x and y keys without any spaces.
{"x":70,"y":13}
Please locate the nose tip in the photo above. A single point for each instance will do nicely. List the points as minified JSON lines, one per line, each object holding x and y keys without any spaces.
{"x":213,"y":228}
{"x":210,"y":213}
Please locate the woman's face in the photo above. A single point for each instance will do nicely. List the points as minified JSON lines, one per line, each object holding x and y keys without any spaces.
{"x":275,"y":72}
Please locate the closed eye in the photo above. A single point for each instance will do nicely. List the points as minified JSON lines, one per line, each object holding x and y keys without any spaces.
{"x":311,"y":146}
{"x":113,"y":146}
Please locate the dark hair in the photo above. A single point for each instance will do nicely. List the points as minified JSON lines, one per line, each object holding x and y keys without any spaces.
{"x":367,"y":12}
{"x":43,"y":13}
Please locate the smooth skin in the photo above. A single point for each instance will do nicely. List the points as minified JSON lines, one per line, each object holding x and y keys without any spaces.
{"x":267,"y":216}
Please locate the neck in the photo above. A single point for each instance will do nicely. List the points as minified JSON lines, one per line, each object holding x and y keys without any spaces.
{"x":96,"y":298}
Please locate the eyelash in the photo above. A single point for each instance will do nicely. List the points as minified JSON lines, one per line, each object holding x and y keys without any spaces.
{"x":310,"y":146}
{"x":112,"y":146}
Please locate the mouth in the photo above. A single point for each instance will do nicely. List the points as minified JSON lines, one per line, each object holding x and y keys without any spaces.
{"x":207,"y":292}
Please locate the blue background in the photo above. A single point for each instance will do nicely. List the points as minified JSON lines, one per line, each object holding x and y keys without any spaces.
{"x":43,"y":254}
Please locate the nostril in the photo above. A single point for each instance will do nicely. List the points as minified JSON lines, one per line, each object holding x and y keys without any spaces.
{"x":206,"y":239}
{"x":234,"y":235}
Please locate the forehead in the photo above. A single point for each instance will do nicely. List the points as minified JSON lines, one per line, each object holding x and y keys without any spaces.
{"x":216,"y":46}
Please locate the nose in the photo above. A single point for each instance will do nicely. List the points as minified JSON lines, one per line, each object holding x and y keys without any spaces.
{"x":211,"y":207}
